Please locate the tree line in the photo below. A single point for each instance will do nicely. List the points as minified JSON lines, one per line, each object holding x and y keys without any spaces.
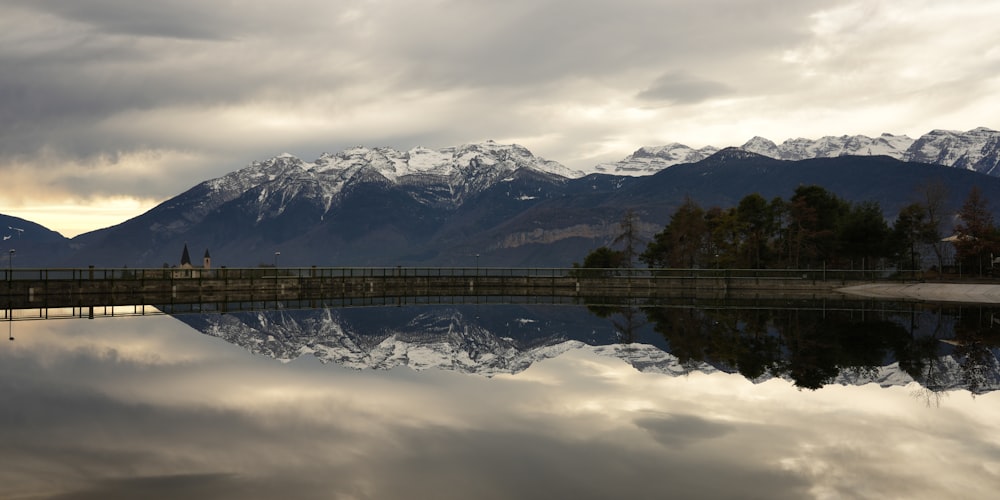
{"x":811,"y":229}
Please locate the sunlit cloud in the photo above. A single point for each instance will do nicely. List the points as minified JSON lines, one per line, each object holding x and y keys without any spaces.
{"x":153,"y":99}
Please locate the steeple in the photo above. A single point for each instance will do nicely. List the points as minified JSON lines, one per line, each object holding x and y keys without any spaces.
{"x":207,"y":261}
{"x":185,"y":257}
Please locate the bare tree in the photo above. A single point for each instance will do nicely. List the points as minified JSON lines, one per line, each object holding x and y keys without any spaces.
{"x":629,"y":236}
{"x":933,"y":197}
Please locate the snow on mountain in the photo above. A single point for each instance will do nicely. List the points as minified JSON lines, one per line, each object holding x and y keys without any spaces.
{"x":464,"y":170}
{"x":830,"y":146}
{"x":977,"y":149}
{"x":763,"y":146}
{"x":649,"y":160}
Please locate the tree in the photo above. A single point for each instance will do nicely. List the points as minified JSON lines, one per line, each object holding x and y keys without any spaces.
{"x":863,"y":234}
{"x":976,"y":234}
{"x":723,"y":240}
{"x":756,"y":223}
{"x":602,"y":258}
{"x":933,"y":197}
{"x":910,"y":229}
{"x":814,"y":214}
{"x":682,"y":242}
{"x":629,"y":236}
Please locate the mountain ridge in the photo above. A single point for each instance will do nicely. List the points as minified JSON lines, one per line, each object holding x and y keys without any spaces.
{"x":379,"y":206}
{"x":977,"y":149}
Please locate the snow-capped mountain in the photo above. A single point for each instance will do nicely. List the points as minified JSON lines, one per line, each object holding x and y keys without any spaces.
{"x":977,"y":149}
{"x":649,"y":160}
{"x":379,"y":206}
{"x":359,"y":206}
{"x":456,"y":172}
{"x":829,"y":147}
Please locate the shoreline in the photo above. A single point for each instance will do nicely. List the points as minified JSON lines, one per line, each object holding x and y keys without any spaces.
{"x":930,"y":292}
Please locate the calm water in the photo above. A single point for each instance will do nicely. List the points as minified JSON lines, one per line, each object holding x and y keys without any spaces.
{"x":504,"y":402}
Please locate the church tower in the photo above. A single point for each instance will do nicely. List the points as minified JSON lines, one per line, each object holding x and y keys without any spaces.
{"x":186,"y":258}
{"x":207,"y":261}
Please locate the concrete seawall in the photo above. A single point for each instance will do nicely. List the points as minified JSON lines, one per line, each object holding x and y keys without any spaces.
{"x":932,"y":292}
{"x":90,"y":288}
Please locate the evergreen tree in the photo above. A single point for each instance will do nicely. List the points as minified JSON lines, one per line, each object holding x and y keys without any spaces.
{"x":723,"y":238}
{"x":682,"y":242}
{"x":977,"y":235}
{"x":814,"y":215}
{"x":756,"y":223}
{"x":604,"y":258}
{"x":863,"y":235}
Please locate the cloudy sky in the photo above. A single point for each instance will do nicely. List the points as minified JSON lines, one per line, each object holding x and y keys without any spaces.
{"x":108,"y":107}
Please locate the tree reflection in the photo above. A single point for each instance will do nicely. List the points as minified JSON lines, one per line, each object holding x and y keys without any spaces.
{"x":942,"y":348}
{"x":627,"y":319}
{"x":976,"y":332}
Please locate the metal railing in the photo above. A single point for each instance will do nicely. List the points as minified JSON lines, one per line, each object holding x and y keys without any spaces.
{"x":137,"y":274}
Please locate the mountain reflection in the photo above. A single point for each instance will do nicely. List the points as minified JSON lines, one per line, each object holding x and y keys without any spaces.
{"x":807,"y":343}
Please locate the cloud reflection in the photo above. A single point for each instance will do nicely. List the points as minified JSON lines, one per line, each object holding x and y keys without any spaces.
{"x":178,"y":414}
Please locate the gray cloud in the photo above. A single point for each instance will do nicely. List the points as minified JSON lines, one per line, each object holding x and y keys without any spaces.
{"x":683,"y":88}
{"x":681,"y":430}
{"x":207,"y":89}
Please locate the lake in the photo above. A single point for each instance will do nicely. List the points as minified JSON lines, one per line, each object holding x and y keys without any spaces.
{"x":884,"y":400}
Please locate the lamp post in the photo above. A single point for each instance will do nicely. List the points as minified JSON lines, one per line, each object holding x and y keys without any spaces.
{"x":276,"y":254}
{"x":10,"y":312}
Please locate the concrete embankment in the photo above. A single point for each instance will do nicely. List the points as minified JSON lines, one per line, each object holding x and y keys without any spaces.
{"x":931,"y":292}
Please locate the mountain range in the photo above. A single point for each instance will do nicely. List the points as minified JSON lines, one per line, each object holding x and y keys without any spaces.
{"x":977,"y":149}
{"x":492,"y":204}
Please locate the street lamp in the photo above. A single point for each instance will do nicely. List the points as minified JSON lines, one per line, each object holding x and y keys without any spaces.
{"x":10,"y":312}
{"x":276,"y":254}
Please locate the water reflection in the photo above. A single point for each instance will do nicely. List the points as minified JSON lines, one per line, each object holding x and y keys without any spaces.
{"x":808,"y":343}
{"x":150,"y":408}
{"x":942,"y":348}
